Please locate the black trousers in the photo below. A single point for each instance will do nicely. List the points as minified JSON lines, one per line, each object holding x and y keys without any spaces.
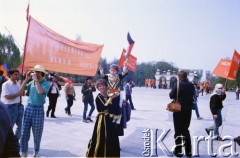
{"x":182,"y":135}
{"x":129,"y":97}
{"x":52,"y":104}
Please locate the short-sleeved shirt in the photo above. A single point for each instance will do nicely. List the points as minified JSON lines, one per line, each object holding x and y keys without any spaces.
{"x":35,"y":98}
{"x":10,"y":88}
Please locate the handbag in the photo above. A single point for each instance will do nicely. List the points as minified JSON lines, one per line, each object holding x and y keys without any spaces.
{"x":174,"y":106}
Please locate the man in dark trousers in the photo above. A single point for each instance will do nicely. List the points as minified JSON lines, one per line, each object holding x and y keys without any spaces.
{"x":128,"y":92}
{"x":182,"y":119}
{"x":216,"y":106}
{"x":9,"y":146}
{"x":87,"y":98}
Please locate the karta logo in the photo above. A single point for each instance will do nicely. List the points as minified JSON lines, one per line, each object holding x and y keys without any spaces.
{"x":154,"y":142}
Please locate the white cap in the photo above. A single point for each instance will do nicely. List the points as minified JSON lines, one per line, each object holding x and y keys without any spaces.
{"x":218,"y":86}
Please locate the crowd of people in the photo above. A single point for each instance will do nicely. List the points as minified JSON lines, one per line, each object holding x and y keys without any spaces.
{"x":110,"y":104}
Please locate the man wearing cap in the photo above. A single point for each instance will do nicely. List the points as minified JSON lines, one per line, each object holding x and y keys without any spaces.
{"x":87,"y":98}
{"x":216,"y":106}
{"x":33,"y":116}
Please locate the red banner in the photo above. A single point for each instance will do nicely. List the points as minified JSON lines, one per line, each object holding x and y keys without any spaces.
{"x":57,"y":53}
{"x":234,"y":65}
{"x":222,"y":69}
{"x":131,"y":61}
{"x":22,"y":69}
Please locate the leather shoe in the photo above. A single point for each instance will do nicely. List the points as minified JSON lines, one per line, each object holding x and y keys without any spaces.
{"x":207,"y":131}
{"x":217,"y":138}
{"x":237,"y":140}
{"x":53,"y":116}
{"x":47,"y":113}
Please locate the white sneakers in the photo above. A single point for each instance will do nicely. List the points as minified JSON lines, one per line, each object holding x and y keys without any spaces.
{"x":35,"y":154}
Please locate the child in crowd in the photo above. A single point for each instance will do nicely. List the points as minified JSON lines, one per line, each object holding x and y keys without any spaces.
{"x":113,"y":79}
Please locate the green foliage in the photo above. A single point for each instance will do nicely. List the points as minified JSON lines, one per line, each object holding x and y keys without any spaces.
{"x":148,"y":70}
{"x":9,"y":52}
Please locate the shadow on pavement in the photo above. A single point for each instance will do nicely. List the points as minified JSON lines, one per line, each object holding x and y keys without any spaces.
{"x":56,"y":153}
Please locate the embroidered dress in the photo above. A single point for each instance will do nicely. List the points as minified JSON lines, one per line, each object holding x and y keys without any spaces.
{"x":104,"y":141}
{"x":114,"y":88}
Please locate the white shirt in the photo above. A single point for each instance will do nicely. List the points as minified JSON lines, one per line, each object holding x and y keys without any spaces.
{"x":54,"y":88}
{"x":9,"y":88}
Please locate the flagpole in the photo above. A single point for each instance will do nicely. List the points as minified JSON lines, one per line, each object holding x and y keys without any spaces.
{"x":24,"y":52}
{"x":225,"y":84}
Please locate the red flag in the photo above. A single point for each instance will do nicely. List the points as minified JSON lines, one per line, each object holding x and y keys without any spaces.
{"x":234,"y":65}
{"x":131,"y":61}
{"x":27,"y":12}
{"x":55,"y":52}
{"x":22,"y":69}
{"x":222,"y":69}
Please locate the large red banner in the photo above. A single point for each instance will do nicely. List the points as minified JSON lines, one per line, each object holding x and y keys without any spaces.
{"x":57,"y":53}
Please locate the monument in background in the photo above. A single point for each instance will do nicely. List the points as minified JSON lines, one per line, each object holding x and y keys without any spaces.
{"x":166,"y":79}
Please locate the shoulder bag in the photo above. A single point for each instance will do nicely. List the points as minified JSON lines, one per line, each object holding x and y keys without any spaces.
{"x":174,"y":106}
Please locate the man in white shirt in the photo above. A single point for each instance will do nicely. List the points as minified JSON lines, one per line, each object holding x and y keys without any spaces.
{"x":11,"y":97}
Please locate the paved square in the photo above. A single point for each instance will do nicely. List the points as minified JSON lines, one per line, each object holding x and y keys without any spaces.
{"x":68,"y":136}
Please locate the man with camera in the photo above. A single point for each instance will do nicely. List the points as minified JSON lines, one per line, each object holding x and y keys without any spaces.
{"x":33,"y":117}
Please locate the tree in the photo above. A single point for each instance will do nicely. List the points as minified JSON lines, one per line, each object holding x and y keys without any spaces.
{"x":9,"y":52}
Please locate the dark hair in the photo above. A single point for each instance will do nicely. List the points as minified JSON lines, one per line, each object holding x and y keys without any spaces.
{"x":12,"y":71}
{"x":89,"y":78}
{"x":51,"y":78}
{"x":42,"y":74}
{"x":101,"y":82}
{"x":182,"y":75}
{"x":1,"y":72}
{"x":115,"y":67}
{"x":128,"y":81}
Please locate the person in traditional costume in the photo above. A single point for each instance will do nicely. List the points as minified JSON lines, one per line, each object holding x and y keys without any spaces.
{"x":104,"y":141}
{"x":114,"y":79}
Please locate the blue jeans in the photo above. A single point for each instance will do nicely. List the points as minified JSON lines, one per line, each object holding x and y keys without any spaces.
{"x":217,"y":123}
{"x":196,"y":109}
{"x":86,"y":108}
{"x":69,"y":104}
{"x":16,"y":114}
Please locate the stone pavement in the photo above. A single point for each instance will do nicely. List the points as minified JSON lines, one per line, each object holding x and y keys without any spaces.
{"x":68,"y":136}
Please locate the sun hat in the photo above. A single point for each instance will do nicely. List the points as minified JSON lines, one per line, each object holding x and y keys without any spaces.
{"x":38,"y":68}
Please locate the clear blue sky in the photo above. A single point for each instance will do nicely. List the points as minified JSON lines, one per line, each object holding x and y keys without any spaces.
{"x":193,"y":34}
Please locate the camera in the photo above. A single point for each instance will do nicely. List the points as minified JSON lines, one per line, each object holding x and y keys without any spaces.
{"x":34,"y":76}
